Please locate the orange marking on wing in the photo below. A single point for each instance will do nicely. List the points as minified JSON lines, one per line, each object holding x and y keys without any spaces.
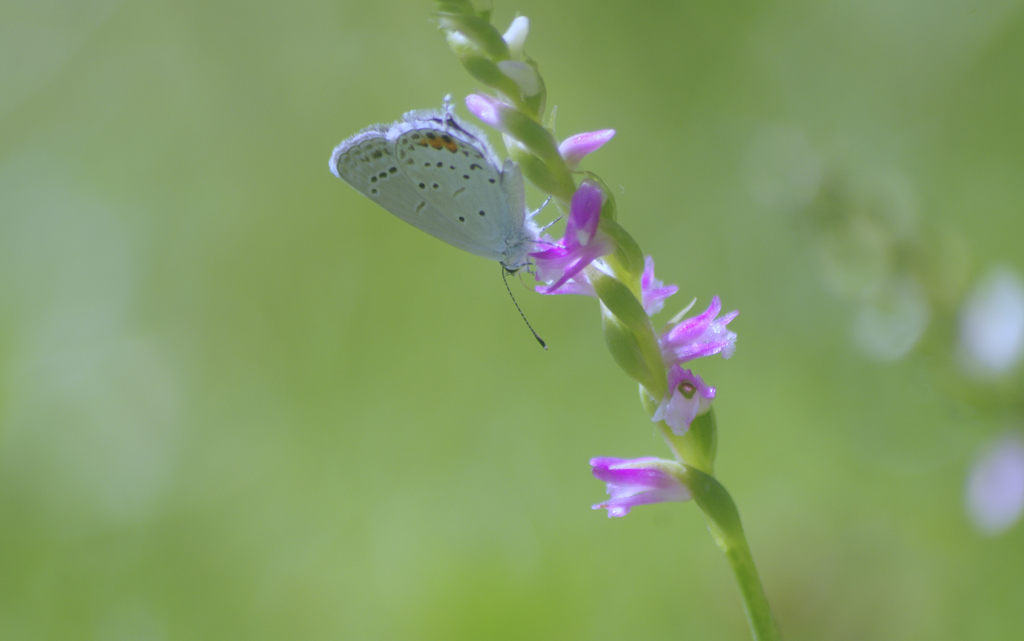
{"x":439,"y":143}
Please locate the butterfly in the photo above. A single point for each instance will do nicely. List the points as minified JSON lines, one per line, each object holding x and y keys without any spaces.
{"x":440,"y":175}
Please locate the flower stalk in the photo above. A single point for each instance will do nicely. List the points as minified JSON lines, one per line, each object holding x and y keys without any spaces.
{"x":597,"y":257}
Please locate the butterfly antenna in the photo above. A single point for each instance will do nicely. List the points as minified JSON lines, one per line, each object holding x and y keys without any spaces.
{"x":516,"y":303}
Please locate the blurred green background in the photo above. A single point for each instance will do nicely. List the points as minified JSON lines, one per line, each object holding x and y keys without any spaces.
{"x":239,"y":401}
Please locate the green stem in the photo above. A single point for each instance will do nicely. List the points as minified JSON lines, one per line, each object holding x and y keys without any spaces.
{"x":724,"y":522}
{"x":755,"y":603}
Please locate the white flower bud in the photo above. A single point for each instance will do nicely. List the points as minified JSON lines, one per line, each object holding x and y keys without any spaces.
{"x":515,"y":37}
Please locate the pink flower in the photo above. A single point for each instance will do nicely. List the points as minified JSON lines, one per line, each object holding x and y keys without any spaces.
{"x":638,"y":482}
{"x":490,"y":111}
{"x":654,"y":291}
{"x":687,"y":398}
{"x":574,"y":148}
{"x":581,"y":245}
{"x":699,"y":336}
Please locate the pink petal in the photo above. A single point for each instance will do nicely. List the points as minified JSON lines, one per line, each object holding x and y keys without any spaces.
{"x":574,"y":148}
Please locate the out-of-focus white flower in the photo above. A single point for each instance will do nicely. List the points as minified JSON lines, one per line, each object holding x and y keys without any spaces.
{"x":890,"y":324}
{"x":992,"y":325}
{"x":995,"y":487}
